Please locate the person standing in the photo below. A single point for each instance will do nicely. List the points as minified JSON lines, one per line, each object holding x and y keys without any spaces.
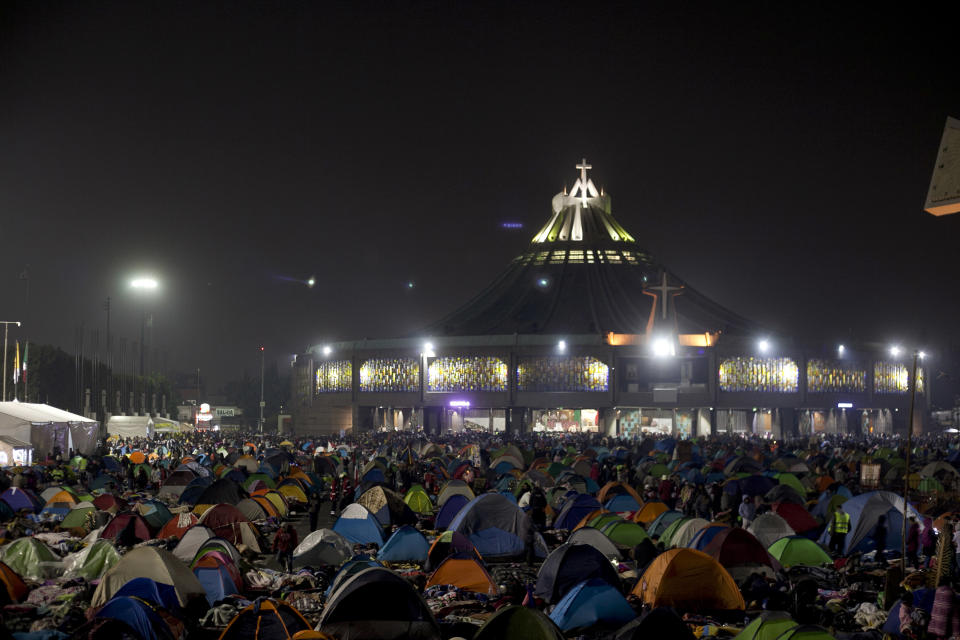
{"x":839,"y":527}
{"x":313,"y":509}
{"x":284,"y":542}
{"x":880,"y":537}
{"x":747,"y":512}
{"x":928,"y":540}
{"x":913,"y":541}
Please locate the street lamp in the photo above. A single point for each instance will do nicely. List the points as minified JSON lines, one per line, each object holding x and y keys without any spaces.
{"x":143,"y":284}
{"x":262,"y":403}
{"x":6,"y":328}
{"x":917,"y":355}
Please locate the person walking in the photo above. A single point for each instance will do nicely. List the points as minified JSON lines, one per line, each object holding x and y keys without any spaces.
{"x":284,"y":542}
{"x":313,"y":509}
{"x":839,"y":527}
{"x":747,"y":512}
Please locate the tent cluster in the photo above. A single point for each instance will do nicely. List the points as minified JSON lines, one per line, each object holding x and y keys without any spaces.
{"x":474,"y":538}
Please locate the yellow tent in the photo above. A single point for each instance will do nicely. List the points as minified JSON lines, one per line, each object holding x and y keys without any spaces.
{"x":689,"y":580}
{"x":293,"y":492}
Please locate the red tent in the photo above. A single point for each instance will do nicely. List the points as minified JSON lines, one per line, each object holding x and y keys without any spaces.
{"x":796,"y":516}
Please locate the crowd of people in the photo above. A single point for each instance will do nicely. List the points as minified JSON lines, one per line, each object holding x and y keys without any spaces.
{"x":814,"y":528}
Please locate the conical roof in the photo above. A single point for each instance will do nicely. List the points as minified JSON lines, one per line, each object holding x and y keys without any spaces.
{"x":584,"y":273}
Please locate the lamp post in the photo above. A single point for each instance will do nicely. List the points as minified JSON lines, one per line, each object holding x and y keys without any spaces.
{"x":6,"y":329}
{"x":906,"y":472}
{"x":262,"y":403}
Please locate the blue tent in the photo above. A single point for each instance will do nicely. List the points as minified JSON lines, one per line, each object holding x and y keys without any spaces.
{"x":621,"y":503}
{"x":164,"y":595}
{"x":405,"y":545}
{"x":922,"y":598}
{"x":374,"y":476}
{"x":56,"y":511}
{"x":495,"y":526}
{"x":509,"y":496}
{"x":358,"y":525}
{"x":705,"y":535}
{"x":574,"y":510}
{"x":137,"y":615}
{"x":101,"y":481}
{"x":666,"y":445}
{"x":590,"y":604}
{"x":823,"y":502}
{"x":216,"y":581}
{"x":190,"y":495}
{"x":110,"y":463}
{"x":449,"y":510}
{"x":864,"y":510}
{"x":503,"y":467}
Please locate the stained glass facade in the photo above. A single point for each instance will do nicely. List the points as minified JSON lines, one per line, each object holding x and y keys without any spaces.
{"x":890,"y":377}
{"x":335,"y":376}
{"x":827,"y":376}
{"x":562,"y":373}
{"x":472,"y":373}
{"x":763,"y":375}
{"x":390,"y":375}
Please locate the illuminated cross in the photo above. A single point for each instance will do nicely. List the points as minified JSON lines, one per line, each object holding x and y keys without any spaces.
{"x":584,"y":167}
{"x":664,"y":289}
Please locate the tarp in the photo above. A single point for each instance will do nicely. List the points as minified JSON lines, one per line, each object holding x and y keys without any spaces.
{"x":378,"y":603}
{"x":91,"y":562}
{"x":323,"y":547}
{"x":591,"y":604}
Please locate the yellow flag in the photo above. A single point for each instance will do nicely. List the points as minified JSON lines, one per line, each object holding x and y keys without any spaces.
{"x":16,"y":362}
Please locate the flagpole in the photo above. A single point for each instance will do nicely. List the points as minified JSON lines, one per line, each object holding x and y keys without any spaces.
{"x":6,"y":330}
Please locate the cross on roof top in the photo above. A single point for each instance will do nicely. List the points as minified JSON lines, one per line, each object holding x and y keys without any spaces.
{"x":584,"y":167}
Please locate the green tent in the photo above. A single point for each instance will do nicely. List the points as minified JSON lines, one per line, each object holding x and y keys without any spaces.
{"x":30,"y":558}
{"x":806,"y":632}
{"x":658,"y":470}
{"x":625,"y":534}
{"x":792,"y":481}
{"x":519,"y":623}
{"x":795,"y":551}
{"x":267,"y":480}
{"x":94,"y":561}
{"x":602,"y":520}
{"x":767,"y":626}
{"x":418,"y":500}
{"x":77,"y":516}
{"x":667,"y":534}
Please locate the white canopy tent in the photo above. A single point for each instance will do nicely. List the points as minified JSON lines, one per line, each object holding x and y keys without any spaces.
{"x":46,"y":428}
{"x":131,"y":426}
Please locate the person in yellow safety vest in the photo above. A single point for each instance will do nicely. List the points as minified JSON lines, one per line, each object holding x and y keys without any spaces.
{"x":839,"y":527}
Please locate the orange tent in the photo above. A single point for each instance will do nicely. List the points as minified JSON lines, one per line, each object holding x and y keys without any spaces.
{"x":649,"y":512}
{"x":824,"y":482}
{"x":464,"y":573}
{"x":137,"y":457}
{"x":689,"y":580}
{"x":613,"y":488}
{"x":13,"y":584}
{"x":62,"y":496}
{"x":267,"y":506}
{"x":177,"y":526}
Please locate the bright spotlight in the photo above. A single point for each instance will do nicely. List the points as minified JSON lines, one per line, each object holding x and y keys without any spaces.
{"x":764,"y":346}
{"x":312,"y":281}
{"x":663,"y":347}
{"x":327,"y":350}
{"x":922,"y":355}
{"x":562,"y":346}
{"x":841,"y":349}
{"x":144,"y":283}
{"x":894,"y":351}
{"x":428,"y":350}
{"x":543,"y":283}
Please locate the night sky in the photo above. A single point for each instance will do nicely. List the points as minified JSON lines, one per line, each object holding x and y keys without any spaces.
{"x":775,"y":156}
